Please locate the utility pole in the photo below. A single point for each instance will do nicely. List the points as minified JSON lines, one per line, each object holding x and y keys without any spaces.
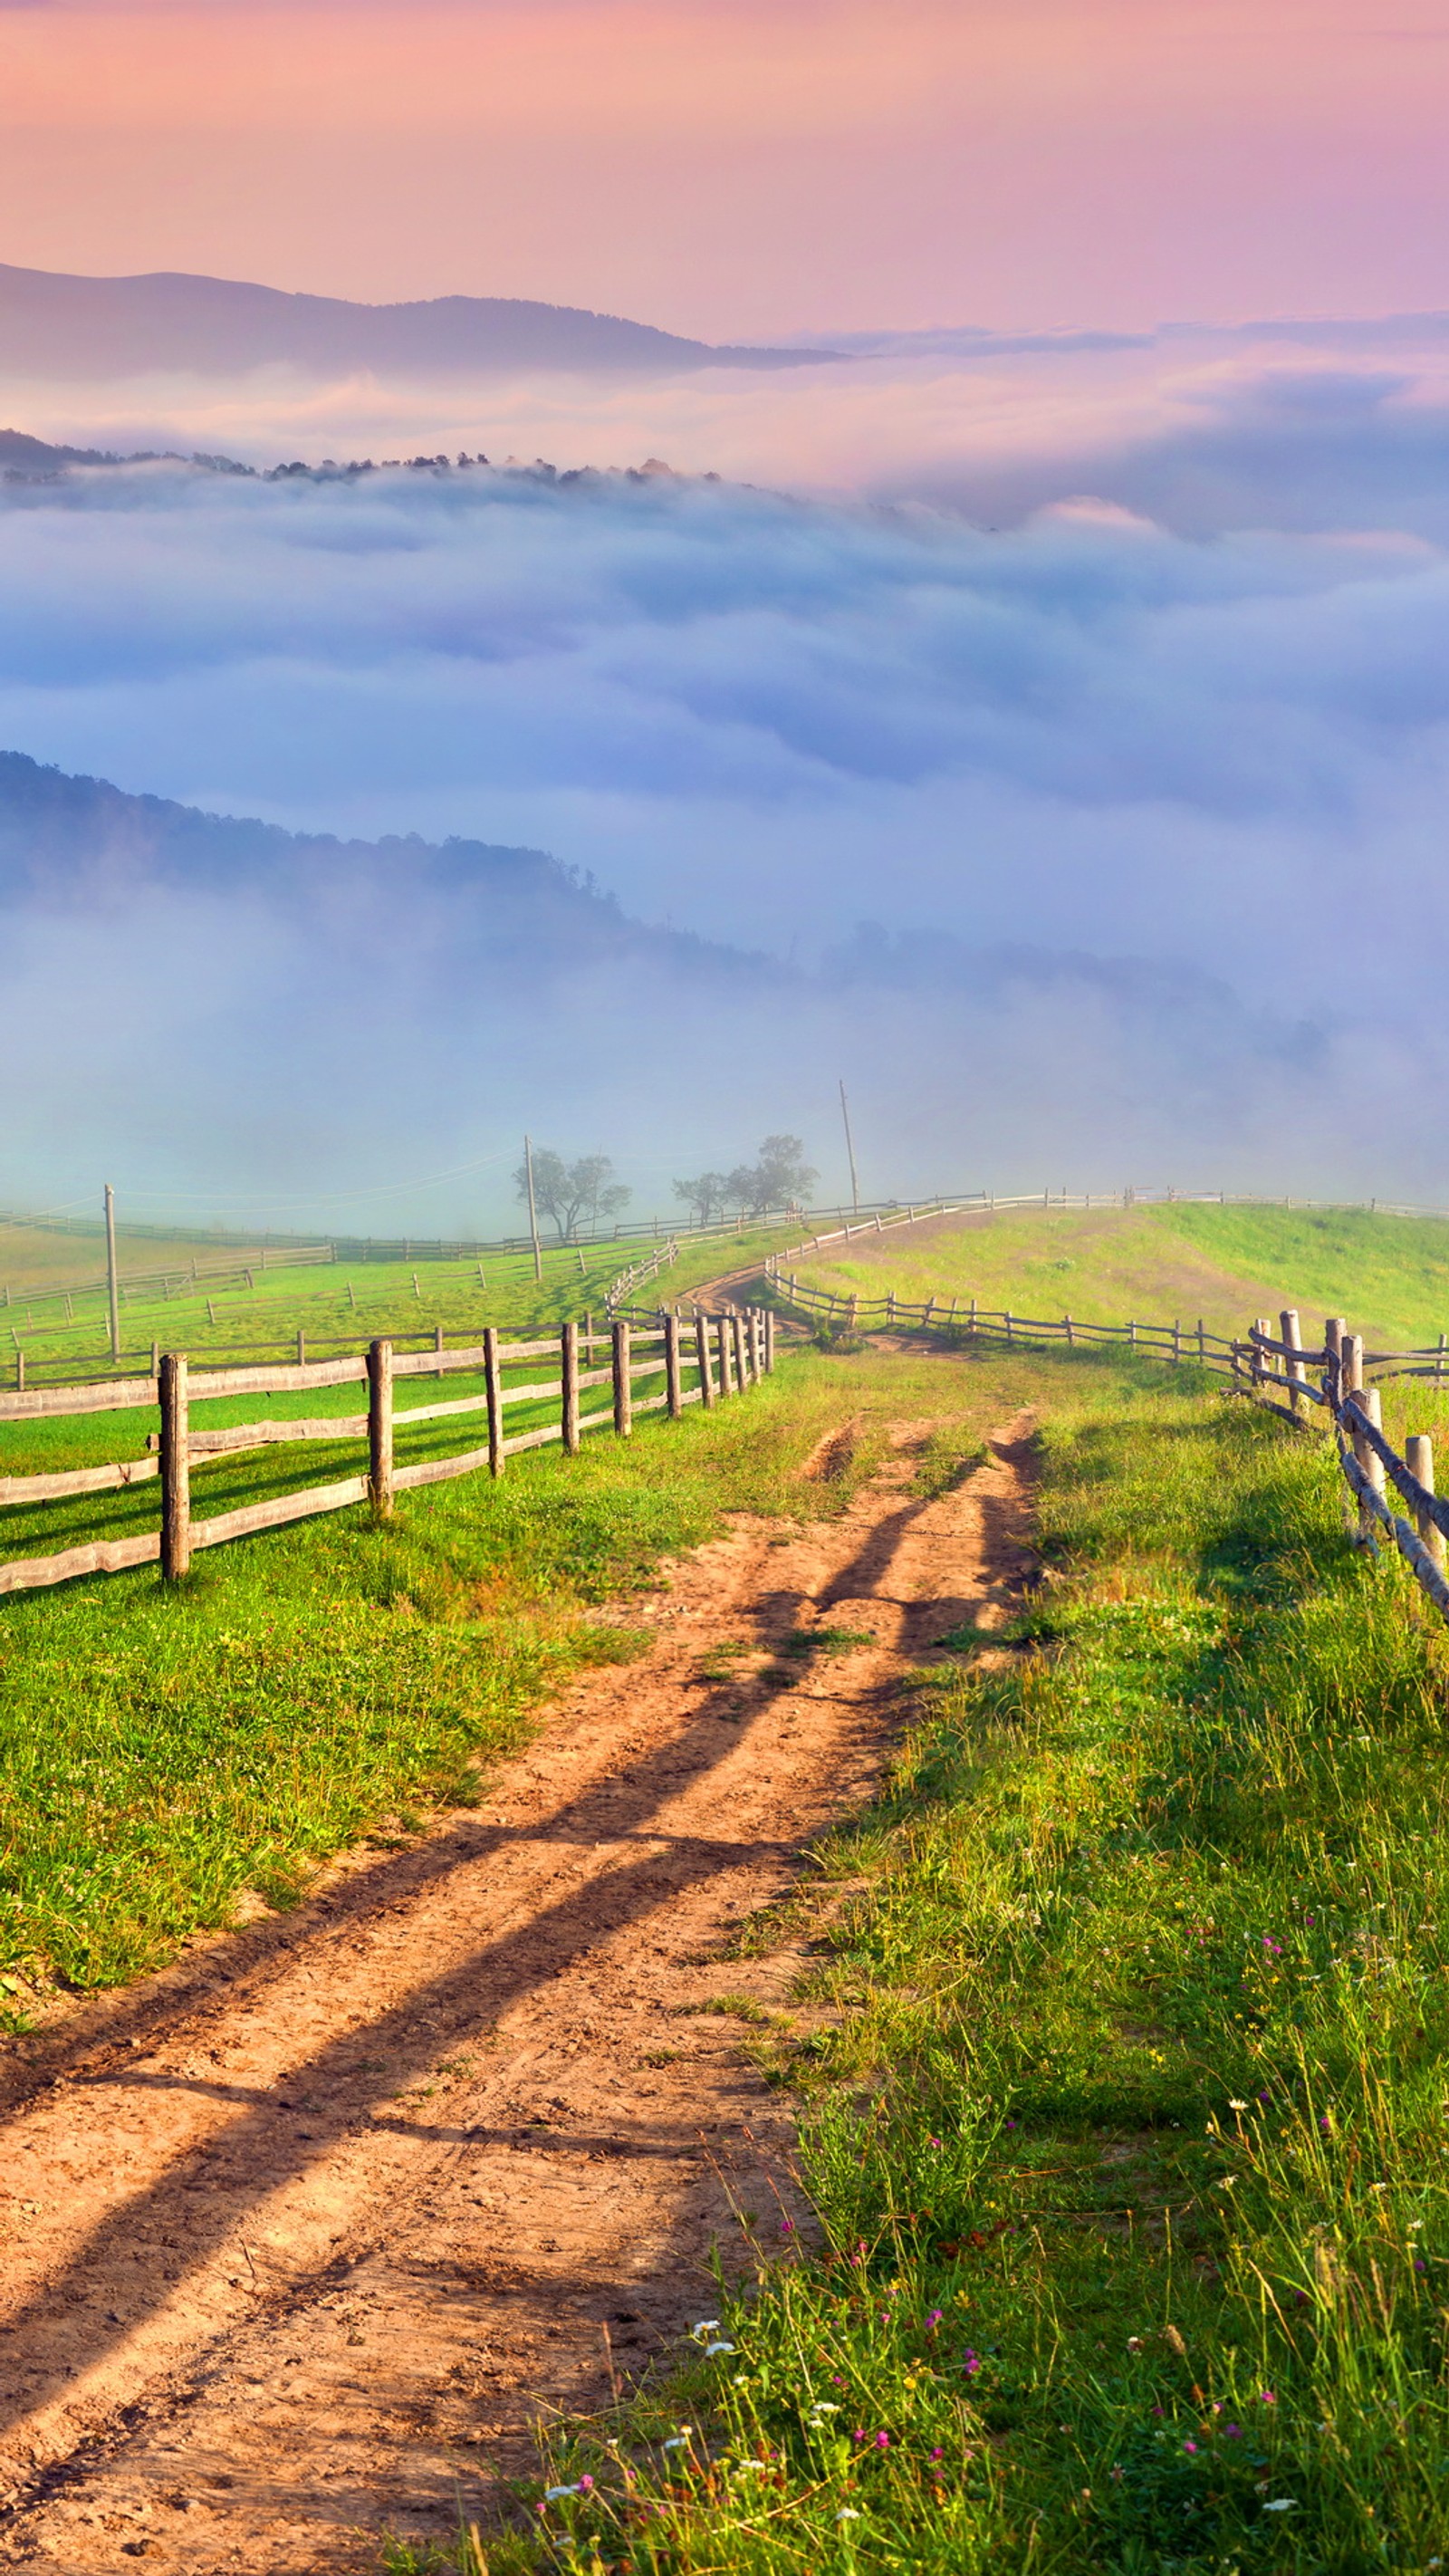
{"x":850,"y":1149}
{"x":111,"y":1274}
{"x":532,"y":1210}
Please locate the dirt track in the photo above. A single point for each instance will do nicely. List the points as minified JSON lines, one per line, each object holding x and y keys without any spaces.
{"x":301,"y":2239}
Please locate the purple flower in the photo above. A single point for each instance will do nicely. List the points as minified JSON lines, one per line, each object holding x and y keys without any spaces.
{"x":787,"y":2226}
{"x":859,"y":2434}
{"x":1273,"y":1948}
{"x":585,"y":2485}
{"x":1157,"y":2410}
{"x":933,"y":2142}
{"x":1189,"y":2446}
{"x":935,"y":2316}
{"x":1011,"y":2124}
{"x":1419,"y":2266}
{"x":1268,"y":2396}
{"x":882,"y":2441}
{"x":1232,"y":2433}
{"x":972,"y":2362}
{"x":1325,"y":2122}
{"x":937,"y":2454}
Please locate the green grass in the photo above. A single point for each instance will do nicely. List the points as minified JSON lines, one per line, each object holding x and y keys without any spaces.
{"x":352,"y":1303}
{"x":1126,"y":2119}
{"x":164,"y":1753}
{"x":1389,"y":1275}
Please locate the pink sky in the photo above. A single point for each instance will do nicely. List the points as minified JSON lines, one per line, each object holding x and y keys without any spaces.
{"x":728,"y":168}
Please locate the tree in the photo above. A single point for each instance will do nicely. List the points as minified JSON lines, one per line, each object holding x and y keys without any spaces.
{"x":781,"y":1177}
{"x":572,"y":1194}
{"x":707,"y":1197}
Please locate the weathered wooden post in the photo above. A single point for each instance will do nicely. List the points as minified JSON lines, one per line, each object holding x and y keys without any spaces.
{"x":175,"y":1468}
{"x":1288,"y":1327}
{"x":1419,"y":1459}
{"x":438,"y":1346}
{"x":1260,"y":1325}
{"x":301,"y":1348}
{"x":1177,"y":1341}
{"x":701,"y":1353}
{"x":1068,"y":1330}
{"x":379,"y":1427}
{"x":623,"y":1384}
{"x":726,"y":1363}
{"x":569,"y":1372}
{"x":493,"y":1382}
{"x":742,"y":1350}
{"x":673,"y":1388}
{"x":769,"y":1341}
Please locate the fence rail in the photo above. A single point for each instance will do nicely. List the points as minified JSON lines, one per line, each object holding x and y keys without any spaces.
{"x":721,"y":1356}
{"x":1254,"y":1364}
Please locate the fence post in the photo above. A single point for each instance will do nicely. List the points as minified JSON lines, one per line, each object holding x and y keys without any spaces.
{"x":769,"y":1341}
{"x":570,"y":1389}
{"x":623,"y":1385}
{"x":726,"y":1366}
{"x":1372,"y":1463}
{"x":379,"y":1427}
{"x":19,"y":1369}
{"x":701,"y":1352}
{"x":1067,"y":1326}
{"x":742,"y":1356}
{"x":1176,"y":1341}
{"x":1443,"y":1347}
{"x":156,"y":1359}
{"x":438,"y":1345}
{"x":1334,"y":1329}
{"x":973,"y":1319}
{"x":1419,"y":1459}
{"x":1288,"y":1319}
{"x":1351,"y":1383}
{"x":1260,"y":1325}
{"x":672,"y":1388}
{"x":493,"y":1380}
{"x":1201,"y":1340}
{"x":301,"y":1348}
{"x":175,"y":1468}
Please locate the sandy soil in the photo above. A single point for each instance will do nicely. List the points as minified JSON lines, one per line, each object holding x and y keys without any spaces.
{"x":301,"y":2240}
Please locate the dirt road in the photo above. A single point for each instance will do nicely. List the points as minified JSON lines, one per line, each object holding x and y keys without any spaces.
{"x":301,"y":2239}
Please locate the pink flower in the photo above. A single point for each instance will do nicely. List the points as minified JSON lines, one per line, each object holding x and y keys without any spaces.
{"x":1268,"y":2396}
{"x":882,"y":2441}
{"x":972,"y":2363}
{"x":937,"y":2454}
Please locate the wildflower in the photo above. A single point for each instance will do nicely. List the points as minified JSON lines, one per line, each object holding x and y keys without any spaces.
{"x":551,"y":2494}
{"x":1134,"y":2343}
{"x":847,"y":2514}
{"x":1273,"y":1948}
{"x":1420,"y":2265}
{"x":859,"y":2434}
{"x":1189,"y":2446}
{"x":935,"y":2316}
{"x":1235,"y":2105}
{"x":711,"y":2349}
{"x":749,"y":2464}
{"x":1268,"y":2396}
{"x":933,"y":2142}
{"x":882,"y":2441}
{"x":937,"y":2454}
{"x":1232,"y":2432}
{"x":971,"y":2363}
{"x":677,"y":2442}
{"x":1011,"y":2124}
{"x":787,"y":2226}
{"x":705,"y":2325}
{"x":1279,"y":2504}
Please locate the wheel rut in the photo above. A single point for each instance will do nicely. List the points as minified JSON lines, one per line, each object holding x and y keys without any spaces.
{"x":302,"y":2240}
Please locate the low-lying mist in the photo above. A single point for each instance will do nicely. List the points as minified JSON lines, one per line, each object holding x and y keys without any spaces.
{"x":1147,"y":817}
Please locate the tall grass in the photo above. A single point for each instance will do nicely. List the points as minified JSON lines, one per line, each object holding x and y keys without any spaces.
{"x":1126,"y":2114}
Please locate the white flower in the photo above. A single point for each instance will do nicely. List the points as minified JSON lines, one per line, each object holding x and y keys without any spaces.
{"x":846,"y":2515}
{"x":552,"y":2494}
{"x":1237,"y":2106}
{"x":749,"y":2464}
{"x":1280,"y":2504}
{"x":677,"y":2442}
{"x":706,"y":2325}
{"x":711,"y":2349}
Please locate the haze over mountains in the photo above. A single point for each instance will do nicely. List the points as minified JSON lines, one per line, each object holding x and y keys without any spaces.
{"x":97,"y":328}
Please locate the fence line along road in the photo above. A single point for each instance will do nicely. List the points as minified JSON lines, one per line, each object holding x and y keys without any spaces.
{"x":1254,"y":1365}
{"x":720,"y":1357}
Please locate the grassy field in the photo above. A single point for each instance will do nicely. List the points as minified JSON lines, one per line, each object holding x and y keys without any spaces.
{"x":163,"y":1752}
{"x":1389,"y":1275}
{"x":341,"y":1302}
{"x":1126,"y":2117}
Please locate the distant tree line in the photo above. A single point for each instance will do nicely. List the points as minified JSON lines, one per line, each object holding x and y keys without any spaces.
{"x":578,"y":1197}
{"x":779,"y":1178}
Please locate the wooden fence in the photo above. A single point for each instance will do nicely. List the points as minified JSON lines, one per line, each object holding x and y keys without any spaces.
{"x":719,"y":1357}
{"x":1266,"y":1366}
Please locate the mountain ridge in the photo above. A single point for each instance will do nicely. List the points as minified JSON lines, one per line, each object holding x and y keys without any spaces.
{"x":55,"y":324}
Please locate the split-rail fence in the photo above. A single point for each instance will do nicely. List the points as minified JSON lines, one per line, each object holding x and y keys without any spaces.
{"x":1261,"y":1364}
{"x":719,"y":1356}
